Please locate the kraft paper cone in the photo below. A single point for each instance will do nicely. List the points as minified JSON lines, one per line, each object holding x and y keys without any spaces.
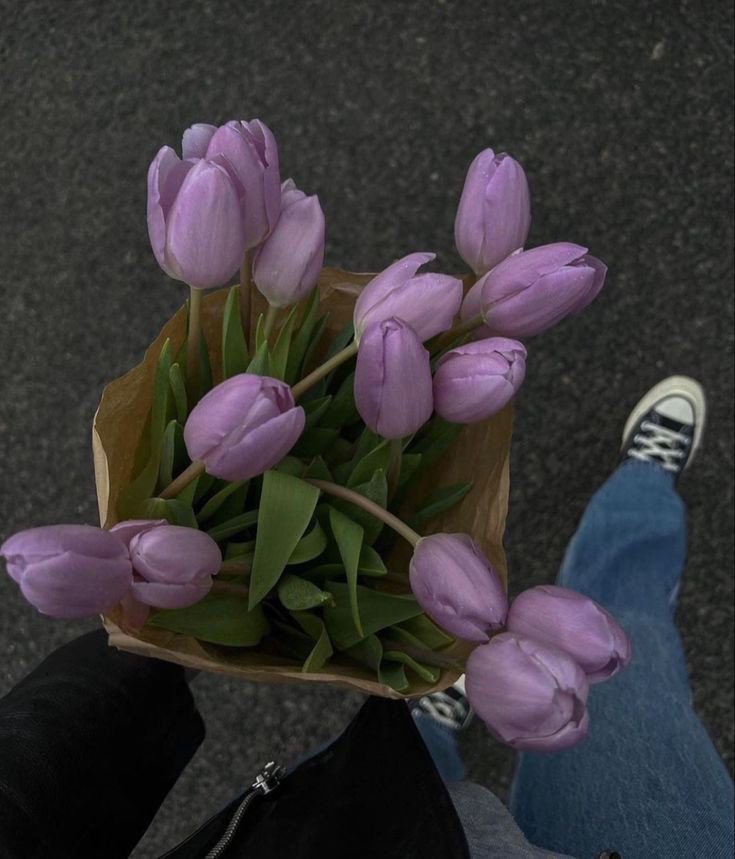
{"x":480,"y":454}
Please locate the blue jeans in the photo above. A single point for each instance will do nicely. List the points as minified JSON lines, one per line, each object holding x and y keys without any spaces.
{"x":647,"y":782}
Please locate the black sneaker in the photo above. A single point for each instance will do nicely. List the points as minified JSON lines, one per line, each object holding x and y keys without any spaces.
{"x":450,"y":707}
{"x":667,"y":424}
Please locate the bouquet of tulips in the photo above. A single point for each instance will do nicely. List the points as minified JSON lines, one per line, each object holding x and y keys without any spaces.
{"x":264,"y":506}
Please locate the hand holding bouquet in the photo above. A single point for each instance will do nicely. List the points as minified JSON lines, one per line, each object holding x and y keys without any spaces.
{"x":263,"y":477}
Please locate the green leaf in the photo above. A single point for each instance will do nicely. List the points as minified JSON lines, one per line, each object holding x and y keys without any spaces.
{"x":260,"y":364}
{"x":427,"y":632}
{"x":315,"y":409}
{"x":338,"y":454}
{"x":233,"y":505}
{"x":297,"y":594}
{"x":286,"y":507}
{"x":370,"y":563}
{"x":378,"y":610}
{"x":342,"y":338}
{"x":173,"y":510}
{"x":393,"y":674}
{"x":435,"y":439}
{"x":174,"y":457}
{"x":377,"y":459}
{"x":220,"y":618}
{"x":376,"y":490}
{"x":409,"y":466}
{"x":279,"y":353}
{"x":159,"y":405}
{"x":317,"y":469}
{"x":349,"y":535}
{"x":429,"y":673}
{"x":188,"y":493}
{"x":178,"y":391}
{"x":233,"y":526}
{"x":342,"y":410}
{"x":324,"y":571}
{"x":237,"y":550}
{"x":440,"y":500}
{"x":368,"y":652}
{"x":315,"y":628}
{"x":291,"y":465}
{"x":301,"y":341}
{"x":314,"y":343}
{"x":234,"y":347}
{"x":219,"y":498}
{"x":309,"y":546}
{"x":203,"y":485}
{"x":314,"y":442}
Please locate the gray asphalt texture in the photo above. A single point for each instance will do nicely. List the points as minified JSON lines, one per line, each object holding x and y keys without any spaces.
{"x":621,"y":114}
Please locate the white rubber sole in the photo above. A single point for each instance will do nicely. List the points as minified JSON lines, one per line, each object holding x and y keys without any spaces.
{"x":681,"y":386}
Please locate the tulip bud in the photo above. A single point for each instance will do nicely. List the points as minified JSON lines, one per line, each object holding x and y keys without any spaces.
{"x":286,"y":266}
{"x":251,"y":157}
{"x":575,"y":624}
{"x":393,"y":379}
{"x":456,"y":586}
{"x":69,"y":571}
{"x":173,"y":565}
{"x":530,"y":696}
{"x":243,"y":426}
{"x":195,"y":220}
{"x":494,"y":213}
{"x":427,"y":302}
{"x":531,"y":291}
{"x":474,"y":381}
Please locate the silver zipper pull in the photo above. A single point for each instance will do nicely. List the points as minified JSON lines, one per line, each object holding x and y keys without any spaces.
{"x":269,"y":778}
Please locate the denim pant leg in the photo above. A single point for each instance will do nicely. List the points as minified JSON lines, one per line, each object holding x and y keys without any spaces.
{"x":442,"y":745}
{"x":647,"y":782}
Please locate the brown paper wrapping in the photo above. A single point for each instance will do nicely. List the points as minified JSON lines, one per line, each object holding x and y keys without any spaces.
{"x":480,"y":455}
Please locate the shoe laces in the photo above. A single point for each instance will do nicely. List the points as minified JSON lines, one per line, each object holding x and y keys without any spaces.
{"x":444,"y":708}
{"x":665,"y":445}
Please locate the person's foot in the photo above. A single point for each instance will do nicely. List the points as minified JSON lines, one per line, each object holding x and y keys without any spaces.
{"x":667,"y":424}
{"x":450,"y":707}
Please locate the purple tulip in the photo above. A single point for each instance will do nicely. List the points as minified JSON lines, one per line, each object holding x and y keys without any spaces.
{"x":456,"y":586}
{"x":130,"y":528}
{"x":286,"y":266}
{"x":494,"y":213}
{"x":250,"y":155}
{"x":575,"y":624}
{"x":69,"y":571}
{"x":531,"y":291}
{"x":393,"y":379}
{"x":427,"y":302}
{"x":475,"y":381}
{"x":243,"y":426}
{"x":195,"y":220}
{"x":173,"y":565}
{"x":530,"y":696}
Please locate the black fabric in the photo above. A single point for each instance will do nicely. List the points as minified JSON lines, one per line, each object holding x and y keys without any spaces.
{"x":373,"y":794}
{"x":90,"y":744}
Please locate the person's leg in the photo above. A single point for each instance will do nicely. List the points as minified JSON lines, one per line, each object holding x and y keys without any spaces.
{"x":647,"y":782}
{"x":441,"y":741}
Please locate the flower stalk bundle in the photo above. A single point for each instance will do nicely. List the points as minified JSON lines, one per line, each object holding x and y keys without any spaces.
{"x":273,"y":515}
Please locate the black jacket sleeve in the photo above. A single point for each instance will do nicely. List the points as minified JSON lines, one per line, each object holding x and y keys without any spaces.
{"x":90,"y":744}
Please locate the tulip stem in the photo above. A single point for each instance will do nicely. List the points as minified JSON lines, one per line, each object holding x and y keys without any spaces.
{"x":394,"y":465}
{"x":369,"y":506}
{"x":246,"y":279}
{"x":420,"y":654}
{"x":324,"y":370}
{"x":270,"y":320}
{"x":194,"y":338}
{"x":230,"y":588}
{"x":183,"y":480}
{"x":233,"y":567}
{"x":458,"y":331}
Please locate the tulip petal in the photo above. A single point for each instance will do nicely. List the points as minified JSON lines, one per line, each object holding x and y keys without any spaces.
{"x":469,"y":224}
{"x":204,"y":231}
{"x":170,"y":595}
{"x":71,"y":585}
{"x":130,"y":528}
{"x":196,"y":140}
{"x":165,"y":177}
{"x":258,"y":448}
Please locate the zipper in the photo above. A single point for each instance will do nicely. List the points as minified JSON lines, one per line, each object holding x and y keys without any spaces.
{"x":267,"y":780}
